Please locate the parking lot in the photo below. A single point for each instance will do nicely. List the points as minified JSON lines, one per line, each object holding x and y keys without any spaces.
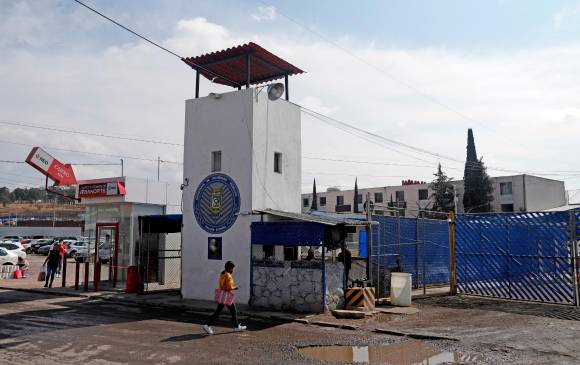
{"x":35,"y":264}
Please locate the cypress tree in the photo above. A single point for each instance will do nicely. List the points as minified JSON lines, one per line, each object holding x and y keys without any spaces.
{"x":478,"y":189}
{"x":314,"y":205}
{"x":443,"y":192}
{"x":355,"y":200}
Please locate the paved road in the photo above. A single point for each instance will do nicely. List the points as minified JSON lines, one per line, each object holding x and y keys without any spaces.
{"x":40,"y":329}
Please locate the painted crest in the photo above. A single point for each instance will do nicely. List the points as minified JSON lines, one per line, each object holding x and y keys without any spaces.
{"x":216,"y":203}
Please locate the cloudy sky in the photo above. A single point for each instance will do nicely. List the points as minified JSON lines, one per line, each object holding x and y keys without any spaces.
{"x":417,"y":72}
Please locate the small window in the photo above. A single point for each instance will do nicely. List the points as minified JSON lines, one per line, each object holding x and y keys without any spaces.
{"x":505,"y":188}
{"x":322,"y":201}
{"x":216,"y":161}
{"x":339,"y":200}
{"x":305,"y":202}
{"x":278,"y":162}
{"x":507,"y":207}
{"x":290,"y":253}
{"x":378,"y":197}
{"x":359,"y":198}
{"x":268,"y":252}
{"x":423,"y":194}
{"x":400,"y":196}
{"x":3,"y":252}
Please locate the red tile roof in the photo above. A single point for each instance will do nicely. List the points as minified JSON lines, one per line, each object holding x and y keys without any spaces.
{"x":228,"y":67}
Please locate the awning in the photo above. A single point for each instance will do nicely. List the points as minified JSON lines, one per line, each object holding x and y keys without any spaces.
{"x":288,"y":233}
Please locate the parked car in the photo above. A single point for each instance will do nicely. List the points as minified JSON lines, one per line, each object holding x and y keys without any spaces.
{"x":40,"y":243}
{"x":75,"y":246}
{"x":7,"y":257}
{"x":44,"y":249}
{"x":104,"y":253}
{"x":14,"y":247}
{"x":12,"y":238}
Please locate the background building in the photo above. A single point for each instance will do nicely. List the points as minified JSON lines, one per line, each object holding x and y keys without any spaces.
{"x":515,"y":193}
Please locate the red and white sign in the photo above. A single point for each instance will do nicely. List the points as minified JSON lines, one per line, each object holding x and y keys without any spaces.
{"x":95,"y":190}
{"x":62,"y":174}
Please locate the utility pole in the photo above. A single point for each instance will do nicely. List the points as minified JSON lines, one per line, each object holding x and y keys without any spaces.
{"x":122,"y":172}
{"x":158,"y":166}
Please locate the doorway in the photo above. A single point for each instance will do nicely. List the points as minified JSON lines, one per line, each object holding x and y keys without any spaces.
{"x":106,"y":255}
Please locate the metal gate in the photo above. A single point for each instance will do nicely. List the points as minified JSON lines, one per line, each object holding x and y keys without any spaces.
{"x":418,"y":246}
{"x":522,"y":256}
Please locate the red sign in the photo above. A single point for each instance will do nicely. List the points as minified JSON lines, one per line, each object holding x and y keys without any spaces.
{"x":95,"y":190}
{"x":62,"y":174}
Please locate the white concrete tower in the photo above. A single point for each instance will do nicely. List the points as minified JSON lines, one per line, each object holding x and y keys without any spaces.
{"x":242,"y":153}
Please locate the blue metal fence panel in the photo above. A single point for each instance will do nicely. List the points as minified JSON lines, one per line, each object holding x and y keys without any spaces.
{"x":422,"y":246}
{"x":523,"y":256}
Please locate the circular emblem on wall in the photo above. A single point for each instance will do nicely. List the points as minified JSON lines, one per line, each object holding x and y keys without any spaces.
{"x":216,"y":203}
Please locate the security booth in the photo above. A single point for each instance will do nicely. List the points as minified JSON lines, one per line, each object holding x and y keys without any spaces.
{"x":293,"y":261}
{"x":112,"y":207}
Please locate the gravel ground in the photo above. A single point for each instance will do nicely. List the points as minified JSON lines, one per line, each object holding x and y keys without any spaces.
{"x":42,"y":329}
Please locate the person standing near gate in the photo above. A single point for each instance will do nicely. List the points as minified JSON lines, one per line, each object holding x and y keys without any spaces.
{"x":224,"y":295}
{"x":52,"y":263}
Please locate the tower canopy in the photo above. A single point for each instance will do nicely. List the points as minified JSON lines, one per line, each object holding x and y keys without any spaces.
{"x":244,"y":65}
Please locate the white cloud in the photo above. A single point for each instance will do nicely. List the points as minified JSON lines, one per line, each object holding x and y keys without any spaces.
{"x":265,"y":13}
{"x":566,"y":16}
{"x":523,"y":105}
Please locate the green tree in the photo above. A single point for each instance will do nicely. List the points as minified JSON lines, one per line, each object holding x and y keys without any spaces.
{"x":355,"y":200}
{"x":4,"y":196}
{"x":443,"y":192}
{"x":478,"y":189}
{"x":314,"y":205}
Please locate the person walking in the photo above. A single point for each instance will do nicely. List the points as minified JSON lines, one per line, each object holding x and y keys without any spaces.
{"x":62,"y":249}
{"x":224,"y":296}
{"x":52,"y":263}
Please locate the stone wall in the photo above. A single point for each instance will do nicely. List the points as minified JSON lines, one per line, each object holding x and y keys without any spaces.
{"x":296,"y":289}
{"x":334,"y":284}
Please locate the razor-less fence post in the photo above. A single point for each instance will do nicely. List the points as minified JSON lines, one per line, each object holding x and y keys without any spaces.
{"x":423,"y":274}
{"x":369,"y":229}
{"x":574,"y":253}
{"x":452,"y":271}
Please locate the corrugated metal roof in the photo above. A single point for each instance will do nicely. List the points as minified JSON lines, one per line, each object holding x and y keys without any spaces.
{"x":329,"y":221}
{"x":231,"y":64}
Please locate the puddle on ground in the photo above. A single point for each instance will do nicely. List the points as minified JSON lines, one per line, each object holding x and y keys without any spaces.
{"x":401,"y":353}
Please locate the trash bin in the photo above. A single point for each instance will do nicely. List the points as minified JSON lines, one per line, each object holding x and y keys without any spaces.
{"x":401,"y":284}
{"x":132,"y":283}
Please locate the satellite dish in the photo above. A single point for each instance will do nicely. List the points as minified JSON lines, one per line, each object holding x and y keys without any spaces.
{"x":275,"y":91}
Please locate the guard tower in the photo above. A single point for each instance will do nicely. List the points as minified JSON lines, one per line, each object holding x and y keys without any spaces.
{"x":242,"y":154}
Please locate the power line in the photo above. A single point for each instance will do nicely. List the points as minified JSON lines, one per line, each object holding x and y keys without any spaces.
{"x":94,"y":134}
{"x":9,"y":161}
{"x":376,"y":68}
{"x":364,"y":133}
{"x":95,"y":153}
{"x":192,"y":64}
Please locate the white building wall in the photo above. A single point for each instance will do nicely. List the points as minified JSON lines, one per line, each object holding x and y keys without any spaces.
{"x":276,"y":129}
{"x":529,"y":193}
{"x":248,"y":132}
{"x":543,"y":193}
